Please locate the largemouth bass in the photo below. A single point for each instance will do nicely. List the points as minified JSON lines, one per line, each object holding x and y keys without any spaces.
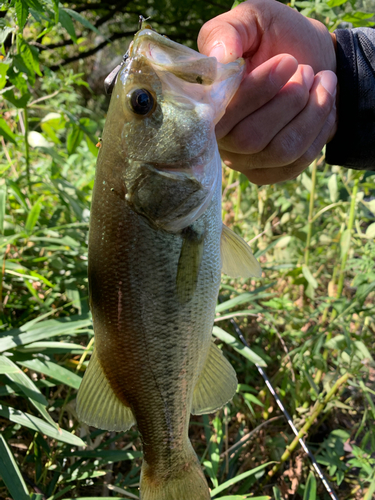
{"x":157,"y":247}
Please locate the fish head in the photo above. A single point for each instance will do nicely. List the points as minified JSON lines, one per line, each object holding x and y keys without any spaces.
{"x":164,"y":106}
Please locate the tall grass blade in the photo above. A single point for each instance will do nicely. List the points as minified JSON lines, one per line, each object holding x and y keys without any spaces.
{"x":240,"y":477}
{"x":245,"y":351}
{"x":370,"y":492}
{"x":39,"y":425}
{"x":3,"y":195}
{"x":46,"y":329}
{"x":276,"y":493}
{"x":10,"y":473}
{"x":54,"y":371}
{"x":107,"y":455}
{"x":33,"y":215}
{"x":310,"y":489}
{"x":242,"y":298}
{"x":28,"y":387}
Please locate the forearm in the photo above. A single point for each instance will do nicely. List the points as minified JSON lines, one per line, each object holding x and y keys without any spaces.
{"x":353,"y":145}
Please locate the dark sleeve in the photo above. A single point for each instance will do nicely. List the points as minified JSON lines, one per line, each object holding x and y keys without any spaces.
{"x":354,"y":143}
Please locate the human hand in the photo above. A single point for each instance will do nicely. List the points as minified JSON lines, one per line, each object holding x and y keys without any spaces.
{"x":283,"y":113}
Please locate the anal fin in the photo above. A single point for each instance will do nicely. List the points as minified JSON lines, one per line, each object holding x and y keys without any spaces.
{"x":216,"y":385}
{"x":98,"y":405}
{"x":237,"y":258}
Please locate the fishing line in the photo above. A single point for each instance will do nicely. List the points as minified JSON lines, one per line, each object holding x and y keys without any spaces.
{"x":287,"y":416}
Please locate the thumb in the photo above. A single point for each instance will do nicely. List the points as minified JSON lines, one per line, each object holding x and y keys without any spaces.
{"x":218,"y":38}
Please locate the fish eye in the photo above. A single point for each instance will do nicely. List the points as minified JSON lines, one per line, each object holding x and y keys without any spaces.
{"x":141,"y":101}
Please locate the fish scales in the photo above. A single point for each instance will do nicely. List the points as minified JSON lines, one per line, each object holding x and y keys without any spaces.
{"x":155,"y":260}
{"x":158,"y":352}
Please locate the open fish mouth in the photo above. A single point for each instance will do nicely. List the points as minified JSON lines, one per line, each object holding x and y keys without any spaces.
{"x":192,"y":168}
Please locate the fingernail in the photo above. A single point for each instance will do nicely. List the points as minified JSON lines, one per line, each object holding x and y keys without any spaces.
{"x":328,"y":80}
{"x":218,"y":51}
{"x":308,"y":76}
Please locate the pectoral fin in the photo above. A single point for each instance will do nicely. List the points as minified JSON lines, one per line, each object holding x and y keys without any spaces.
{"x":216,"y":385}
{"x":237,"y":258}
{"x":98,"y":405}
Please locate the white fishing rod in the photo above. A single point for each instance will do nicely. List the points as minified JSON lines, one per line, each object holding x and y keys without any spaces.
{"x":288,"y":418}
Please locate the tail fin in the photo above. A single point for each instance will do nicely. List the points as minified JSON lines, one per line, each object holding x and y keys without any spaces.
{"x":187,"y":483}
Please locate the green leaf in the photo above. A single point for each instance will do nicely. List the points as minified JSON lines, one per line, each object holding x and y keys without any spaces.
{"x":240,"y":477}
{"x":238,"y":346}
{"x":10,"y":473}
{"x":34,"y":213}
{"x":53,"y":370}
{"x":3,"y":71}
{"x":74,"y":139}
{"x":52,"y":123}
{"x":39,"y":425}
{"x":4,"y":35}
{"x":107,"y":455}
{"x":18,"y":194}
{"x":244,"y":497}
{"x":362,"y":350}
{"x":27,"y":386}
{"x":277,"y":493}
{"x":283,"y":242}
{"x":4,"y":369}
{"x":6,"y":132}
{"x":335,"y":3}
{"x":76,"y":476}
{"x":52,"y":346}
{"x":67,"y":23}
{"x":242,"y":298}
{"x":252,"y":399}
{"x":370,"y":231}
{"x":83,"y":21}
{"x":309,"y":277}
{"x":18,"y":103}
{"x":310,"y":489}
{"x":3,"y":197}
{"x":32,"y":331}
{"x":22,"y":11}
{"x":28,"y":55}
{"x":337,"y":342}
{"x":92,"y":147}
{"x":370,"y":492}
{"x":36,"y":5}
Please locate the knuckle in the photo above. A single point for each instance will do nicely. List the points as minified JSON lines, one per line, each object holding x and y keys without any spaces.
{"x":298,"y":96}
{"x":289,"y":146}
{"x":249,"y":138}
